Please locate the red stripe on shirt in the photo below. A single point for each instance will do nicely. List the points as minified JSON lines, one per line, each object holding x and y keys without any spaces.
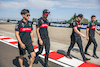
{"x":44,"y":25}
{"x":92,"y":27}
{"x":78,"y":26}
{"x":25,"y":29}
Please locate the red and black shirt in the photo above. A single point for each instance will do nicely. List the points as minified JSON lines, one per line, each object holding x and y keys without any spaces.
{"x":43,"y":25}
{"x":91,"y":27}
{"x":24,"y":31}
{"x":78,"y":25}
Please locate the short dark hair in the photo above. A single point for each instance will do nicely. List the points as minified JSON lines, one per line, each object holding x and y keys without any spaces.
{"x":93,"y":16}
{"x":24,"y":11}
{"x":80,"y":15}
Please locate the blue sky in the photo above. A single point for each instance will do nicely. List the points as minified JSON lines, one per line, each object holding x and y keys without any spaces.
{"x":60,"y":9}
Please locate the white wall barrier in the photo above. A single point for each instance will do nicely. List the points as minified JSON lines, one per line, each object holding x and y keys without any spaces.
{"x":56,"y":24}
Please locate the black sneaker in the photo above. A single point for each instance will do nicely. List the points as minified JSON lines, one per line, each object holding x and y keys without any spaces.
{"x":46,"y":65}
{"x":87,"y":59}
{"x":95,"y":56}
{"x":86,"y":53}
{"x":69,"y":57}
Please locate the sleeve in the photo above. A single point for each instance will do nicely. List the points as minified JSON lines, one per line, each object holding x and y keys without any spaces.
{"x":74,"y":24}
{"x":17,"y":28}
{"x":38,"y":23}
{"x":47,"y":22}
{"x":88,"y":26}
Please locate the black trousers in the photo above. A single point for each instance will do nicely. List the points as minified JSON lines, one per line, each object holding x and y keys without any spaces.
{"x":46,"y":44}
{"x":79,"y":42}
{"x":91,"y":39}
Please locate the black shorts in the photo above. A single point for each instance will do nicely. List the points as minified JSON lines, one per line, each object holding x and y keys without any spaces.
{"x":29,"y":49}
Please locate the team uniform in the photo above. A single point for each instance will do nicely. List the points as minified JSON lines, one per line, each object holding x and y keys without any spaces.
{"x":91,"y":27}
{"x":24,"y":33}
{"x":43,"y":25}
{"x":76,"y":38}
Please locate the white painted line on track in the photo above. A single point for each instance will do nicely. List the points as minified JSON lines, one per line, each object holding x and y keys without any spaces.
{"x":9,"y":44}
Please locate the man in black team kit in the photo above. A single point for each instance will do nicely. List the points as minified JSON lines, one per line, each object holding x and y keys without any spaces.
{"x":24,"y":35}
{"x":76,"y":37}
{"x":90,"y":31}
{"x":42,"y":33}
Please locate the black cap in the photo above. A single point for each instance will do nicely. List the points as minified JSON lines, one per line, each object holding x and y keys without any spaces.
{"x":80,"y":15}
{"x":46,"y":12}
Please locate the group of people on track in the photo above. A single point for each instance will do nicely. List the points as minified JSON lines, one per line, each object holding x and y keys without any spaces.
{"x":24,"y":35}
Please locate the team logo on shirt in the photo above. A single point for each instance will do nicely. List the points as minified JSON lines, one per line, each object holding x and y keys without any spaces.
{"x":44,"y":25}
{"x":92,"y":27}
{"x":25,"y":29}
{"x":42,"y":21}
{"x":78,"y":26}
{"x":23,"y":24}
{"x":29,"y":24}
{"x":16,"y":26}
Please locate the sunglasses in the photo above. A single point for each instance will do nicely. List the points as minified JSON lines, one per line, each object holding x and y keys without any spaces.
{"x":47,"y":12}
{"x":27,"y":15}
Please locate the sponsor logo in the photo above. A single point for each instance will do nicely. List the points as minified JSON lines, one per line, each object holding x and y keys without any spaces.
{"x":93,"y":27}
{"x":25,"y":29}
{"x":59,"y":24}
{"x":78,"y":26}
{"x":44,"y":25}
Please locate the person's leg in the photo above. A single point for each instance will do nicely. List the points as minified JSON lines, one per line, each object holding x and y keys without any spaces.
{"x":20,"y":59}
{"x":30,"y":50}
{"x":22,"y":53}
{"x":79,"y":42}
{"x":32,"y":58}
{"x":95,"y":46}
{"x":40,"y":49}
{"x":47,"y":49}
{"x":71,"y":45}
{"x":87,"y":46}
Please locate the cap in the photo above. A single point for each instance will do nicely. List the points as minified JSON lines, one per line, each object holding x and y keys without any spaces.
{"x":80,"y":15}
{"x":46,"y":12}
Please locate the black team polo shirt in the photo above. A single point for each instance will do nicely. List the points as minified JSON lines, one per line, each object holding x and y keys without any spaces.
{"x":24,"y":31}
{"x":43,"y":24}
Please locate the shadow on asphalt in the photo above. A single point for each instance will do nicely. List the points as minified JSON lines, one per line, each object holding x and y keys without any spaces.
{"x":65,"y":53}
{"x":37,"y":59}
{"x":16,"y":63}
{"x":25,"y":61}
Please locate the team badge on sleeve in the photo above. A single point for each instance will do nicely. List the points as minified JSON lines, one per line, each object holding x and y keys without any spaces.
{"x":16,"y":27}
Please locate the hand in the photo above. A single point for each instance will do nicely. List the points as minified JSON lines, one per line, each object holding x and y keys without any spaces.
{"x":87,"y":38}
{"x":23,"y":46}
{"x":40,"y":42}
{"x":99,"y":33}
{"x":83,"y":35}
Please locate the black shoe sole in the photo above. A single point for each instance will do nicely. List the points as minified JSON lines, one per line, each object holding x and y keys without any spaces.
{"x":87,"y":60}
{"x":68,"y":57}
{"x":87,"y":54}
{"x":96,"y":57}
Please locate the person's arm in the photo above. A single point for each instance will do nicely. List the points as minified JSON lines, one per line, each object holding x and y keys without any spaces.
{"x":38,"y":35}
{"x":31,"y":35}
{"x":78,"y":32}
{"x":87,"y":33}
{"x":19,"y":40}
{"x":97,"y":31}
